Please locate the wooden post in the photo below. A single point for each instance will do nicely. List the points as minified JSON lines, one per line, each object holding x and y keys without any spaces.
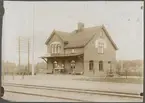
{"x":126,"y":73}
{"x":13,"y":74}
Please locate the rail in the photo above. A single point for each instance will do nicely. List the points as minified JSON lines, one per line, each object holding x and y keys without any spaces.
{"x":48,"y":96}
{"x":110,"y":93}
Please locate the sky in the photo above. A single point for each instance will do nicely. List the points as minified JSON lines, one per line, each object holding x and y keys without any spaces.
{"x":123,"y":20}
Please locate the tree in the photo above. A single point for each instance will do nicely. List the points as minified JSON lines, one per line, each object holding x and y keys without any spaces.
{"x":118,"y":67}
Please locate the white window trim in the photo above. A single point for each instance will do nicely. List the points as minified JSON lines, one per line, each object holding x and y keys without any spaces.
{"x":55,"y":47}
{"x":73,"y":51}
{"x":100,"y":47}
{"x":91,"y":65}
{"x":52,"y":48}
{"x":101,"y":34}
{"x":58,"y":48}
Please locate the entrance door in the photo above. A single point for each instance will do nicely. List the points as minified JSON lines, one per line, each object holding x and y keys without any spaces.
{"x":63,"y":66}
{"x":54,"y":66}
{"x":73,"y":64}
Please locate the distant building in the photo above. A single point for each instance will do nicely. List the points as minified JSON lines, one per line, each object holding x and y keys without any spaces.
{"x":90,"y":51}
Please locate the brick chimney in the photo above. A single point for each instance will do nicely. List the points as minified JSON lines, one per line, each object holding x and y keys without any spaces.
{"x":80,"y":26}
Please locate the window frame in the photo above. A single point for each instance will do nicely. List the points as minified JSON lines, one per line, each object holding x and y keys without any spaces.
{"x":101,"y":66}
{"x":73,"y":51}
{"x":55,"y":64}
{"x":52,"y":48}
{"x":101,"y":48}
{"x":91,"y":65}
{"x":55,"y":48}
{"x":58,"y":48}
{"x":101,"y":34}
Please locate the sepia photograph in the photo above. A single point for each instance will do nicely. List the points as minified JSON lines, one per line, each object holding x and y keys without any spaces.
{"x":72,"y":51}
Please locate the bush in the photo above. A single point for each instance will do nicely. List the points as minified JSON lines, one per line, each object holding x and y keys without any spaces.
{"x":130,"y":73}
{"x":2,"y":91}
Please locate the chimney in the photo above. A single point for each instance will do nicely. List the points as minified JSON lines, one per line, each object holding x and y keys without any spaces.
{"x":80,"y":26}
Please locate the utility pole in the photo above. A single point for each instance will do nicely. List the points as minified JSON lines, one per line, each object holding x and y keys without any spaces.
{"x":19,"y":51}
{"x":28,"y":55}
{"x":33,"y":41}
{"x":24,"y":47}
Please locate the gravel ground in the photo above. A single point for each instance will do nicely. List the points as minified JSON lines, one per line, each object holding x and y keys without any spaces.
{"x":88,"y":97}
{"x":68,"y":82}
{"x":28,"y":98}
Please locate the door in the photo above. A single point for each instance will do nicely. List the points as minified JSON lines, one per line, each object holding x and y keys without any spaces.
{"x":54,"y":66}
{"x":73,"y":64}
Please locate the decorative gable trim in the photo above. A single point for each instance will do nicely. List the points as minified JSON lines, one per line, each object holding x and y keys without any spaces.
{"x":50,"y":37}
{"x":53,"y":33}
{"x":109,"y":37}
{"x":89,"y":39}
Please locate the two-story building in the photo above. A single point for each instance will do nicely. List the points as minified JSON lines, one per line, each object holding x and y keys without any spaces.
{"x":89,"y":51}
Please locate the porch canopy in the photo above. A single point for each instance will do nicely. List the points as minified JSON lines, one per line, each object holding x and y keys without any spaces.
{"x":60,"y":55}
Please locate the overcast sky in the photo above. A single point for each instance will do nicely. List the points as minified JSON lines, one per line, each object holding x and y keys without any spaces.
{"x":123,"y":20}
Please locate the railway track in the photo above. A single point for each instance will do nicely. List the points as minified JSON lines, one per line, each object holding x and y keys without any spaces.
{"x":84,"y":91}
{"x":48,"y":96}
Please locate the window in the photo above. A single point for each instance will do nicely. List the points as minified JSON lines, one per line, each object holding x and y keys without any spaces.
{"x":109,"y":62}
{"x":55,"y":47}
{"x":101,"y":66}
{"x":58,"y":48}
{"x":73,"y":64}
{"x":101,"y":34}
{"x":91,"y":65}
{"x":100,"y":47}
{"x":55,"y":64}
{"x":52,"y":48}
{"x":73,"y":51}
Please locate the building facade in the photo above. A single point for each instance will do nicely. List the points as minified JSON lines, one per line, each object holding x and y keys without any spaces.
{"x":87,"y":51}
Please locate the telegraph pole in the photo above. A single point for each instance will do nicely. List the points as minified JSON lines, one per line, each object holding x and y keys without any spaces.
{"x":28,"y":54}
{"x":24,"y":47}
{"x":19,"y":51}
{"x":33,"y":42}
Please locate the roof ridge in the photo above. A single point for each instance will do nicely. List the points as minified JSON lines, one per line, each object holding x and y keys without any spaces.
{"x":61,"y":31}
{"x":75,"y":31}
{"x":90,"y":27}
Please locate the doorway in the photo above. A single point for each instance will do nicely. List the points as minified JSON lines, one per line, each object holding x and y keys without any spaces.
{"x":73,"y":64}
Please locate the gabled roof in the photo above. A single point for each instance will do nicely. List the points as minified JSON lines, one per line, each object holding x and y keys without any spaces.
{"x":63,"y":35}
{"x":109,"y":37}
{"x":81,"y":38}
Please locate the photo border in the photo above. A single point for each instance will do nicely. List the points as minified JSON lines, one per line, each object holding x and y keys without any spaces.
{"x":1,"y":23}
